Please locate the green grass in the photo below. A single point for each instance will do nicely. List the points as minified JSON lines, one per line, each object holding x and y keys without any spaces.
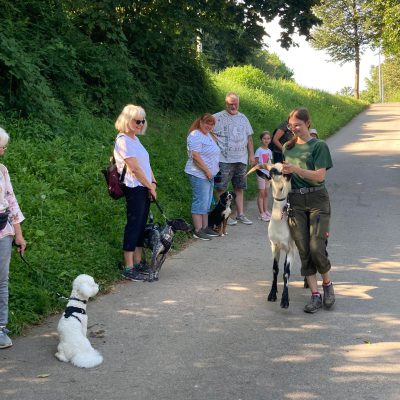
{"x":72,"y":226}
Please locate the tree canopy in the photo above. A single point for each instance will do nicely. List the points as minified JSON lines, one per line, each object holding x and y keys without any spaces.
{"x":344,"y":33}
{"x":61,"y":55}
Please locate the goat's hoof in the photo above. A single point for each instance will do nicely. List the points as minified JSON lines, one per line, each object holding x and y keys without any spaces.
{"x":284,"y":304}
{"x":272,"y":297}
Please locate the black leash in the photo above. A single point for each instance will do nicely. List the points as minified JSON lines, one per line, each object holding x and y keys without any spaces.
{"x":57,"y":294}
{"x":153,"y":200}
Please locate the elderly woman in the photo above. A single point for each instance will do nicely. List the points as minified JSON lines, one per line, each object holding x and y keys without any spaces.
{"x":133,"y":161}
{"x":10,"y":219}
{"x":201,"y":167}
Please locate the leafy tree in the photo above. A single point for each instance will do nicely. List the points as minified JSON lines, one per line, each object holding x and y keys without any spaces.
{"x":385,"y":22}
{"x":346,"y":91}
{"x":390,"y":70}
{"x":344,"y":33}
{"x":271,"y":65}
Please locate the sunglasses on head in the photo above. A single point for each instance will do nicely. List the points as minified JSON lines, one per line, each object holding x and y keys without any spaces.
{"x":138,"y":121}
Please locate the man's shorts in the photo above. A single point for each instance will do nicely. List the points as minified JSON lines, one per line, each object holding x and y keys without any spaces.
{"x":232,"y":172}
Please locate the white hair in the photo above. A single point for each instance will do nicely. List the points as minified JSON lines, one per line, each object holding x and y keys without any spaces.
{"x":4,"y":137}
{"x":129,"y":113}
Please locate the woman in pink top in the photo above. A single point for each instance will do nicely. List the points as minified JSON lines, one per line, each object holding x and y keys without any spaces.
{"x":8,"y":229}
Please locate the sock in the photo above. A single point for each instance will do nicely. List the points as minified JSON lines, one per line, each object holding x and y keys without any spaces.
{"x":136,"y":265}
{"x":316,"y":294}
{"x":327,"y":284}
{"x":127,"y":268}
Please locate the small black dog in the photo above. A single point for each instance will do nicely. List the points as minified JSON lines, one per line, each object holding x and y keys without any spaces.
{"x":218,"y":217}
{"x":159,"y":239}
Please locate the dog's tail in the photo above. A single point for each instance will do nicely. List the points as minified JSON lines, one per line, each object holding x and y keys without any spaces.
{"x":87,"y":359}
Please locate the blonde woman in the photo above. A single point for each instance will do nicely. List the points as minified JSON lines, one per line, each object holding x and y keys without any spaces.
{"x":140,"y":185}
{"x":11,"y":217}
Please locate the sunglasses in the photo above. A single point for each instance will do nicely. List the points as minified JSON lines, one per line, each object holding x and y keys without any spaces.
{"x":3,"y":147}
{"x":138,"y":121}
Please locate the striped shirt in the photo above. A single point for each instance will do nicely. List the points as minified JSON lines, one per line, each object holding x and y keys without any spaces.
{"x":209,"y":152}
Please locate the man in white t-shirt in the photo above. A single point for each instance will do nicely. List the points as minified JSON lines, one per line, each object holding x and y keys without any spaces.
{"x":234,"y":134}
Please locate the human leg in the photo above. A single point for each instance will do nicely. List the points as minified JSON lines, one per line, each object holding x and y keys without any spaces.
{"x":5,"y":257}
{"x":137,"y":210}
{"x":239,"y":182}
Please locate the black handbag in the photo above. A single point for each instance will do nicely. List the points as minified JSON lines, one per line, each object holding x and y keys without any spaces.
{"x":115,"y":181}
{"x":3,"y":219}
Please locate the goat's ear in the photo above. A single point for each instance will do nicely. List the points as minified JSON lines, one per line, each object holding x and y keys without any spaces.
{"x":288,"y":177}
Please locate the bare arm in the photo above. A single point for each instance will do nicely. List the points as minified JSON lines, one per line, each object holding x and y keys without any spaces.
{"x":275,"y":140}
{"x":250,"y":149}
{"x":201,"y":164}
{"x":19,"y":239}
{"x":135,"y":168}
{"x":317,"y":175}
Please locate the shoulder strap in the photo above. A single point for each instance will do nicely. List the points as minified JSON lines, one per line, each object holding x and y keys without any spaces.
{"x":122,"y":177}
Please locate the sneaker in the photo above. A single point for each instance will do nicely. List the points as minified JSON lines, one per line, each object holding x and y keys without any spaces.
{"x":5,"y":340}
{"x":243,"y":220}
{"x":268,"y":214}
{"x":314,"y":304}
{"x":133,"y":274}
{"x":329,"y":296}
{"x":231,"y":221}
{"x":201,"y":235}
{"x":210,"y":232}
{"x":143,"y":268}
{"x":265,"y":217}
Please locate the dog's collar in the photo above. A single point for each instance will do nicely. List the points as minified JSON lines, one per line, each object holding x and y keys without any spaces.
{"x":69,"y":312}
{"x":75,"y":298}
{"x":284,"y":198}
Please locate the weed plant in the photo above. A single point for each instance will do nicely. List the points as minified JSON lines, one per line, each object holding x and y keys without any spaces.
{"x":72,"y":226}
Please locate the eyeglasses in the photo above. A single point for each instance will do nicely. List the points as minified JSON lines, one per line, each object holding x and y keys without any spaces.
{"x":3,"y":147}
{"x":138,"y":121}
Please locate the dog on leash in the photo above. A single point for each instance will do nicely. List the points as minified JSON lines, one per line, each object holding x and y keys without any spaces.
{"x":159,"y":239}
{"x":74,"y":347}
{"x":218,"y":217}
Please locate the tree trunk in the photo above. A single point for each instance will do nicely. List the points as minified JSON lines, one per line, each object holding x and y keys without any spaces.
{"x":357,"y":74}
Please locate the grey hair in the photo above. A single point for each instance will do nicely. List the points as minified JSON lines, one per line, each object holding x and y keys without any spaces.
{"x":4,"y":137}
{"x":129,"y":113}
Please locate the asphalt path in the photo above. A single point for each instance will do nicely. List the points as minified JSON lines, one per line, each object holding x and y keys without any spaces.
{"x":206,"y":331}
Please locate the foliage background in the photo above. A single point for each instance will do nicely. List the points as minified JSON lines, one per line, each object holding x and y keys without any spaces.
{"x":73,"y":227}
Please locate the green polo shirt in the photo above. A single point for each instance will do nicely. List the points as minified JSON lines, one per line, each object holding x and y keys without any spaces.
{"x":312,"y":155}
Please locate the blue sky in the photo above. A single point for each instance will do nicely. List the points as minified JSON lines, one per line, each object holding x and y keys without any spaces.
{"x":311,"y":67}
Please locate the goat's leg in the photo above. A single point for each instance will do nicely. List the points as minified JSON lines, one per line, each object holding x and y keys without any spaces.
{"x":275,"y":268}
{"x":286,"y":277}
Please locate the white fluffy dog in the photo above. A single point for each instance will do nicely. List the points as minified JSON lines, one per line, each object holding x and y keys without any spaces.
{"x":74,"y":346}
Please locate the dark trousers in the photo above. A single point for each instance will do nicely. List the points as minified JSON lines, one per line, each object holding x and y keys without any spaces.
{"x":309,"y":226}
{"x":137,"y":211}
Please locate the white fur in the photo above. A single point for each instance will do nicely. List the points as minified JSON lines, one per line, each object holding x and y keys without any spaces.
{"x":74,"y":346}
{"x":279,"y":233}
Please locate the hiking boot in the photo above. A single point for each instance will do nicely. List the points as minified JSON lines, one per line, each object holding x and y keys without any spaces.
{"x":329,"y":296}
{"x":231,"y":221}
{"x":314,"y":304}
{"x":133,"y":274}
{"x":5,"y":341}
{"x":210,"y":232}
{"x":201,"y":235}
{"x":243,"y":220}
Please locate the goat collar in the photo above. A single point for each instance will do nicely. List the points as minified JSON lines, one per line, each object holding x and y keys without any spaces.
{"x":282,"y":199}
{"x":75,"y":298}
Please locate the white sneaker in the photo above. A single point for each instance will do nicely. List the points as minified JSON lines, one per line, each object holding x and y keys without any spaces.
{"x":243,"y":220}
{"x":5,"y":341}
{"x":231,"y":221}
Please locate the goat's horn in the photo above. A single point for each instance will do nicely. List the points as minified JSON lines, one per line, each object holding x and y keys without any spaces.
{"x":255,"y":168}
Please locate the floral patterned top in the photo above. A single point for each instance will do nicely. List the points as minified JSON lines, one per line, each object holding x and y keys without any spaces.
{"x":8,"y":201}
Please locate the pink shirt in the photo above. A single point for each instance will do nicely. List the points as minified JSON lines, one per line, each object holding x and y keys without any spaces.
{"x":8,"y":201}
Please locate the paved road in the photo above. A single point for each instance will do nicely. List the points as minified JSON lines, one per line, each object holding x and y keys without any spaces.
{"x":206,"y":331}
